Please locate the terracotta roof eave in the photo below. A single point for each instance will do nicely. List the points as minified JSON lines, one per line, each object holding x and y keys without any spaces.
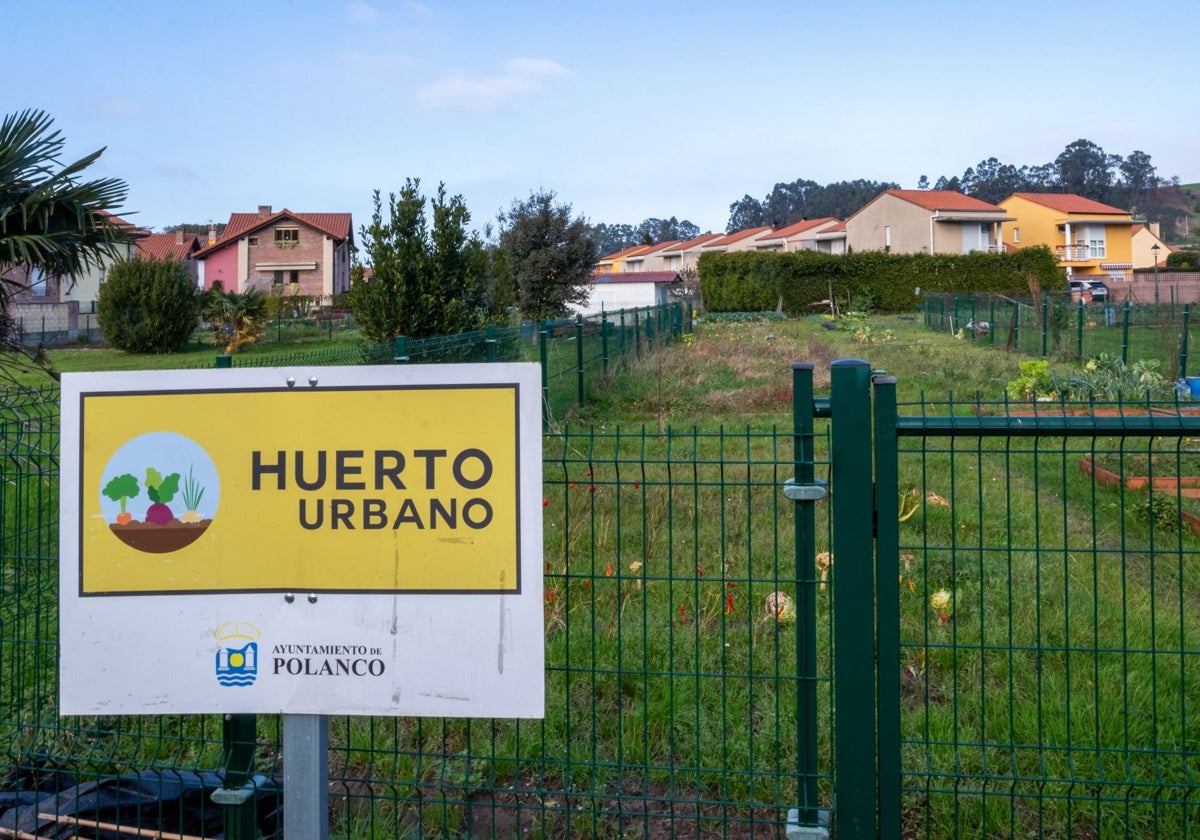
{"x":969,"y":217}
{"x":1094,"y":220}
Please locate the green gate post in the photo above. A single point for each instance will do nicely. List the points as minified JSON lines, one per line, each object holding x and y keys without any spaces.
{"x":637,"y":335}
{"x":806,"y":595}
{"x":490,"y":342}
{"x":1016,"y":326}
{"x":1079,"y":331}
{"x":974,"y":323}
{"x":1125,"y":335}
{"x":1183,"y":340}
{"x":650,"y":315}
{"x":579,"y":357}
{"x":401,"y":350}
{"x":887,"y":576}
{"x":856,"y":757}
{"x":992,"y":324}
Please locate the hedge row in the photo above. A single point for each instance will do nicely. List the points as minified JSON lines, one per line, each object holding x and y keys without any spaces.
{"x":800,"y":282}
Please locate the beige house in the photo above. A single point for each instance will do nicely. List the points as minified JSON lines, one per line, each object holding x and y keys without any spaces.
{"x":618,"y":262}
{"x":1145,"y":239}
{"x":926,"y":221}
{"x":85,"y":288}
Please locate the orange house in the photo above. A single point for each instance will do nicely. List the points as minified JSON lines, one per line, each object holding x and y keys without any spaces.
{"x":1091,"y":240}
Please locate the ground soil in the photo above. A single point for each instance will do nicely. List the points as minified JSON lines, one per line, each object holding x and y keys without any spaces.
{"x":160,"y":539}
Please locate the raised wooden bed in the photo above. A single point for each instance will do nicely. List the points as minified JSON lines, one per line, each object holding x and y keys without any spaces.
{"x":1185,"y":485}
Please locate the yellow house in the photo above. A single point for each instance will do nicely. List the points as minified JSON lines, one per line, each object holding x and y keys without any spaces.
{"x":1090,"y":239}
{"x":616,"y":263}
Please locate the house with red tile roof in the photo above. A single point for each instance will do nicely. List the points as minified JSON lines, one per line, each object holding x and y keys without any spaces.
{"x":739,"y":240}
{"x":178,"y":246}
{"x":616,"y":263}
{"x":47,"y":307}
{"x":682,"y":256}
{"x":306,"y":251}
{"x":926,"y":221}
{"x":801,"y":236}
{"x":1089,"y":238}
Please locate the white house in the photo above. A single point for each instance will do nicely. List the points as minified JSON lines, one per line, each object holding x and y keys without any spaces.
{"x":628,"y":290}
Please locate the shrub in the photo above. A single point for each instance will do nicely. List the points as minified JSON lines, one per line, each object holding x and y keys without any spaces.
{"x":148,"y":305}
{"x":1184,"y":260}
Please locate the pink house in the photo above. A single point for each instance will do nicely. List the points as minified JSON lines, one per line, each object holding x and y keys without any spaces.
{"x":306,"y":251}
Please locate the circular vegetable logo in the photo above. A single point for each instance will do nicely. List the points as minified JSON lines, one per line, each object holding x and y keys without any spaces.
{"x":159,"y":492}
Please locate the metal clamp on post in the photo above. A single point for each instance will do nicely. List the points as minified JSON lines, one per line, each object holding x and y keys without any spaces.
{"x":804,"y":492}
{"x":234,"y":796}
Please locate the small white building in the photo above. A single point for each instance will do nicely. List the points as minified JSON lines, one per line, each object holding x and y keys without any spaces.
{"x":628,"y":290}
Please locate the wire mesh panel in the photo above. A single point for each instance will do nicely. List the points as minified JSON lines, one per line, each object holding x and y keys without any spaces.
{"x":1049,"y":622}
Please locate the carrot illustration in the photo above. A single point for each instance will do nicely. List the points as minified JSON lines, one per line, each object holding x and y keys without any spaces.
{"x":120,"y":489}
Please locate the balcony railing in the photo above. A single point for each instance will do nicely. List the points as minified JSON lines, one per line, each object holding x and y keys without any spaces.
{"x":1073,"y":253}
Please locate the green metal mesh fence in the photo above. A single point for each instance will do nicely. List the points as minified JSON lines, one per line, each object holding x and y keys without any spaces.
{"x":1056,"y":327}
{"x":1049,"y":622}
{"x":671,"y":663}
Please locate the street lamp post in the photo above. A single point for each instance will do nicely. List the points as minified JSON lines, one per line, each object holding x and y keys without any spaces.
{"x":1154,"y":250}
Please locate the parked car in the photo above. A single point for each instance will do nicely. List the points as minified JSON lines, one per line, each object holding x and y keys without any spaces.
{"x":1087,"y":291}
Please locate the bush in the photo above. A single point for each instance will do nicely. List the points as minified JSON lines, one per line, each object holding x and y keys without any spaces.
{"x":148,"y":305}
{"x":801,"y":282}
{"x":1184,"y":260}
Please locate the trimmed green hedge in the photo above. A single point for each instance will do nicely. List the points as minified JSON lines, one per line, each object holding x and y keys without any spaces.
{"x":799,"y":282}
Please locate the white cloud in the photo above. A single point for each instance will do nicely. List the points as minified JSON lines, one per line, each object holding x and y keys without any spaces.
{"x":522,"y":77}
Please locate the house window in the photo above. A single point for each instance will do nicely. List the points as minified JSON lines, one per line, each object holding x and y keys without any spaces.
{"x":253,"y":240}
{"x":37,"y":283}
{"x":287,"y":236}
{"x":1094,"y":235}
{"x":1016,"y":234}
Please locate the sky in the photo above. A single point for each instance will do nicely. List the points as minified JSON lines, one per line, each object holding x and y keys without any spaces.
{"x":626,"y":110}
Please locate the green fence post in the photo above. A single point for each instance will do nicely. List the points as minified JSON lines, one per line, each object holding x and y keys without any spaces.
{"x":544,"y":356}
{"x":490,"y":342}
{"x":604,"y":340}
{"x":637,"y":335}
{"x":236,"y":794}
{"x":856,"y":757}
{"x":401,"y":351}
{"x":806,"y":585}
{"x":992,"y":323}
{"x":1016,"y":326}
{"x":974,"y":323}
{"x":1125,"y":334}
{"x":650,"y":313}
{"x":579,"y":357}
{"x":1183,"y":340}
{"x":887,"y":576}
{"x":1045,"y":327}
{"x":238,"y":743}
{"x":1079,"y":331}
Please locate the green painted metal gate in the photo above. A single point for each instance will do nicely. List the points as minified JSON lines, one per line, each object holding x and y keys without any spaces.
{"x":1016,"y":618}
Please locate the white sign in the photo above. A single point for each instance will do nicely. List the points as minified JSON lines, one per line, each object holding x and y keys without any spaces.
{"x":343,"y":540}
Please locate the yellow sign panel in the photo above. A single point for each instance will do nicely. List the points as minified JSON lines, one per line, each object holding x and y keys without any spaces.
{"x":357,"y":489}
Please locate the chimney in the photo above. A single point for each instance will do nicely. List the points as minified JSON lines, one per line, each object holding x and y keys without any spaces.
{"x":212,"y":233}
{"x":179,"y":237}
{"x":1156,"y":229}
{"x":264,"y":210}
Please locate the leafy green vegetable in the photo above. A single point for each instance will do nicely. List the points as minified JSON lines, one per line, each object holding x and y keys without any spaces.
{"x":120,"y":488}
{"x":161,"y":489}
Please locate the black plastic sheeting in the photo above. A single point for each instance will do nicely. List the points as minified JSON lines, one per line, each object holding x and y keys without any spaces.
{"x":177,"y":802}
